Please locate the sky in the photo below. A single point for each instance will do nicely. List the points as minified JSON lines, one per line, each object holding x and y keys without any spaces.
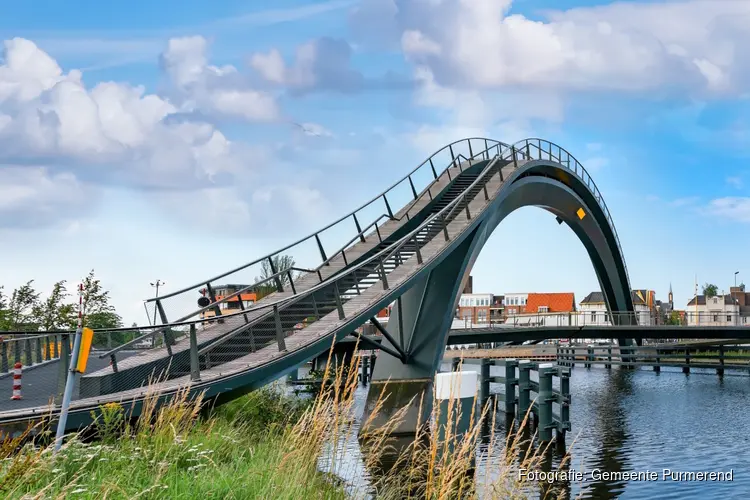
{"x":178,"y":140}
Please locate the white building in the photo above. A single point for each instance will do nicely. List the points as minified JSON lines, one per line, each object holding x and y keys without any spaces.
{"x":722,"y":310}
{"x":515,"y":302}
{"x":593,"y":309}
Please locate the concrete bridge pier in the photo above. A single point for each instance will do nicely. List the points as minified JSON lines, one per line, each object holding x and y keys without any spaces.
{"x":420,"y":321}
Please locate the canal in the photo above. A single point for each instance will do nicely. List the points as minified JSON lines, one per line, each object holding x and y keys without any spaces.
{"x":632,"y":421}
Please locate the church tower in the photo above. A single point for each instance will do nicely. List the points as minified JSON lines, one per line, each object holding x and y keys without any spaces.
{"x":671,"y":302}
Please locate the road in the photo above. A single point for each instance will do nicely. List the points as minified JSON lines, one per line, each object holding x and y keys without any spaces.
{"x":38,"y":385}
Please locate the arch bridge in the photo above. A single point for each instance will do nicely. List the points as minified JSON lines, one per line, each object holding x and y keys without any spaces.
{"x":418,"y":257}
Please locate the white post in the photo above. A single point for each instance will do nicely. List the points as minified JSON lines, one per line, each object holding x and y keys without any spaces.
{"x":460,"y":387}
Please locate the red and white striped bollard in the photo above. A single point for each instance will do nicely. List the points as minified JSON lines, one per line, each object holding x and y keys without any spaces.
{"x":17,"y":381}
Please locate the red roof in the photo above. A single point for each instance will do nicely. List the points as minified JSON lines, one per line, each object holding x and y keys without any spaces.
{"x":556,"y":302}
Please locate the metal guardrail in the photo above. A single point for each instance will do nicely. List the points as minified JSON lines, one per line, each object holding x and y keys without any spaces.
{"x":609,"y":319}
{"x":685,"y":356}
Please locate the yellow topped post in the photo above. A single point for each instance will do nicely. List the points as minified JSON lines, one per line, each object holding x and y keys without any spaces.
{"x":87,"y":336}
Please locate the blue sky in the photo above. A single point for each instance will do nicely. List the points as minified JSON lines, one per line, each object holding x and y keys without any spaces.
{"x":157,"y":139}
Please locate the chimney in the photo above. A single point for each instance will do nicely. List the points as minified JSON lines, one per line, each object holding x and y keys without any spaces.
{"x":469,"y":288}
{"x":738,"y":293}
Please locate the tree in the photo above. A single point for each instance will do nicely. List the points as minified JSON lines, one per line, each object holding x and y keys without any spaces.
{"x":674,"y":318}
{"x":3,"y":309}
{"x":98,"y":312}
{"x":55,"y":312}
{"x":21,"y":308}
{"x":280,"y":263}
{"x":710,"y":290}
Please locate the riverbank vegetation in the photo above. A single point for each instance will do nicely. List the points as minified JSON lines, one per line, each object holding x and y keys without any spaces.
{"x":266,"y":445}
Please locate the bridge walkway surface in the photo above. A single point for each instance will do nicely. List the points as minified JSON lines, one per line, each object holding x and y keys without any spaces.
{"x":249,"y":348}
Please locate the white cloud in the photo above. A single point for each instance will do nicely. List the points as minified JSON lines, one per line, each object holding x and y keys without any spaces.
{"x":735,"y":182}
{"x":211,"y":89}
{"x":622,"y":46}
{"x":60,"y":141}
{"x":321,"y":64}
{"x":736,"y":208}
{"x":35,"y":196}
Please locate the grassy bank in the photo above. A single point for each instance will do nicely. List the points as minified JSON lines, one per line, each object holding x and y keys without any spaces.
{"x":240,"y":451}
{"x":269,"y":446}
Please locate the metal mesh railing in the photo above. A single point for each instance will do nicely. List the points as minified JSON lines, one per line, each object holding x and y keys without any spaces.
{"x":607,"y":319}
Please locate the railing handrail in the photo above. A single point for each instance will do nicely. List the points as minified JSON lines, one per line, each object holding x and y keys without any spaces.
{"x":315,"y":233}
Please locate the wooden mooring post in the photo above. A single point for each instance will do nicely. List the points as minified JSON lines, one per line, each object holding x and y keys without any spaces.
{"x":520,"y":389}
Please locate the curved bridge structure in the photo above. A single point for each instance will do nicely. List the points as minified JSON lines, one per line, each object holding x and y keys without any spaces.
{"x":417,"y":257}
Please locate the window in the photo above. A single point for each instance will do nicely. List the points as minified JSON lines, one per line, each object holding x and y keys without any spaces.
{"x":482,"y":316}
{"x":593,"y":316}
{"x":729,"y":318}
{"x":716,"y":301}
{"x":716,"y":318}
{"x":523,"y":300}
{"x":467,"y":315}
{"x":543,"y":309}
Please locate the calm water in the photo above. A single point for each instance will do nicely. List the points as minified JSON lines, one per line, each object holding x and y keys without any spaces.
{"x":638,"y":421}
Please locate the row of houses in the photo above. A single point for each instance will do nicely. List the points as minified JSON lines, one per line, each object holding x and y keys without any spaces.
{"x":560,"y":309}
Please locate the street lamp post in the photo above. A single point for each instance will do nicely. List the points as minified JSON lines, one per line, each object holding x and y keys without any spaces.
{"x":156,"y":284}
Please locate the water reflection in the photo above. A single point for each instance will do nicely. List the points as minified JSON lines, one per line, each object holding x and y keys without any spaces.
{"x":624,"y":421}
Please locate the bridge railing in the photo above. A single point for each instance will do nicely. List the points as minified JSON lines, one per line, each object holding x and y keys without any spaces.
{"x":720,"y":356}
{"x":609,"y":319}
{"x":315,"y":252}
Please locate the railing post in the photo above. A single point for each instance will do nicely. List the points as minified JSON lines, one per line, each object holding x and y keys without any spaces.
{"x":195,"y":372}
{"x":510,"y":386}
{"x":16,"y":349}
{"x":167,"y":332}
{"x":27,"y":351}
{"x":434,"y":172}
{"x":279,"y":331}
{"x":720,"y":371}
{"x":320,"y":248}
{"x":339,"y":304}
{"x":63,"y":367}
{"x":383,"y":276}
{"x":589,"y":356}
{"x":413,"y":189}
{"x":113,"y":362}
{"x":387,"y":206}
{"x":609,"y":358}
{"x":686,"y":369}
{"x":271,"y":265}
{"x":4,"y":357}
{"x":359,"y":228}
{"x":515,"y":159}
{"x":38,"y":348}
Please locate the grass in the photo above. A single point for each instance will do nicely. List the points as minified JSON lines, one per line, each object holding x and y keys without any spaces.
{"x":265,"y":445}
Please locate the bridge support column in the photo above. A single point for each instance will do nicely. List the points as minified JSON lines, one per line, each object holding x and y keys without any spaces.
{"x":420,"y":321}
